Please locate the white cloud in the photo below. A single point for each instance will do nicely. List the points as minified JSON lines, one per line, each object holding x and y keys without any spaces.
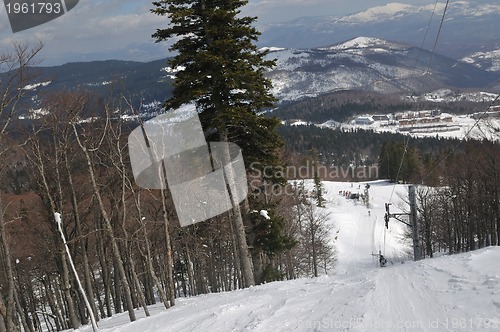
{"x":105,"y":25}
{"x":89,"y":28}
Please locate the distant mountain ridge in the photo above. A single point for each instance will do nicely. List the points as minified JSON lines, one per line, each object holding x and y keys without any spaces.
{"x":362,"y":63}
{"x":486,"y":60}
{"x":470,"y":26}
{"x":371,"y":64}
{"x":144,"y":84}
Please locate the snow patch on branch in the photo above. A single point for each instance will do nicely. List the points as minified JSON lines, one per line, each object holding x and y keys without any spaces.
{"x":265,"y":214}
{"x":57,"y":216}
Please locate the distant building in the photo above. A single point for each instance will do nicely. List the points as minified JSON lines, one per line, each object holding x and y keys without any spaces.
{"x":364,"y":120}
{"x":436,"y":112}
{"x":382,"y":117}
{"x":424,"y":114}
{"x":483,"y":115}
{"x":400,"y":116}
{"x":417,"y":115}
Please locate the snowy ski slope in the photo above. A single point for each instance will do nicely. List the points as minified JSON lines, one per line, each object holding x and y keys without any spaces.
{"x":449,"y":293}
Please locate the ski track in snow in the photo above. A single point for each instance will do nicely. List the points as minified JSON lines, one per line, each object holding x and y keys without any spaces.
{"x":450,"y":293}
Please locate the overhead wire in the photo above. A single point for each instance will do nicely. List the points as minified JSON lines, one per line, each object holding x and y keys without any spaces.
{"x":436,"y":41}
{"x":437,"y":36}
{"x":417,"y":60}
{"x":476,"y":123}
{"x":407,"y":141}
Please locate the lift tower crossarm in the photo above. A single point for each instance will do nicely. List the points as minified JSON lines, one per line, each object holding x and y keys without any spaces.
{"x":413,"y":218}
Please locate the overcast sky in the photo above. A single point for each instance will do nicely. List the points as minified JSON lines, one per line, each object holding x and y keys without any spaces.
{"x":107,"y":26}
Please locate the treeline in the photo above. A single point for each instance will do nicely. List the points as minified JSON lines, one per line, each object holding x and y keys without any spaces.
{"x":459,"y":203}
{"x":358,"y":147}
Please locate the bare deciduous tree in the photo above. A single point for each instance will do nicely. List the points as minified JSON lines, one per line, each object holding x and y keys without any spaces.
{"x":15,"y":74}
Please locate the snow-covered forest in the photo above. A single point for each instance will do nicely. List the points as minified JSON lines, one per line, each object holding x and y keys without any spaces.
{"x":446,"y":293}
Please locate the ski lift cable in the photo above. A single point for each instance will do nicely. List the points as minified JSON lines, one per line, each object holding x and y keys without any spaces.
{"x":407,"y":142}
{"x":436,"y":41}
{"x":429,"y":24}
{"x":437,"y":36}
{"x":417,"y":60}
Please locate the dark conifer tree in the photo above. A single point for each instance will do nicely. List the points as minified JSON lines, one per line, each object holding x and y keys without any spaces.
{"x":388,"y":161}
{"x":397,"y":164}
{"x":222,"y":72}
{"x":216,"y":48}
{"x":318,"y":185}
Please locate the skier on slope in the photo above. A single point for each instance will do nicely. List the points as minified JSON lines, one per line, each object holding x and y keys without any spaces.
{"x":382,"y":260}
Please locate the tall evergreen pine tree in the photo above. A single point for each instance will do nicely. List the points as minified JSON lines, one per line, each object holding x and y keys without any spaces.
{"x":222,"y":72}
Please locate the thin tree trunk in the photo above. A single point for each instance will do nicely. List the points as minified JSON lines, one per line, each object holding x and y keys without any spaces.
{"x":149,"y":264}
{"x":168,"y":244}
{"x":236,"y":258}
{"x":314,"y":255}
{"x":109,"y":230}
{"x":23,"y":314}
{"x":53,"y":304}
{"x":106,"y":275}
{"x":212,"y":267}
{"x":117,"y":289}
{"x":140,"y":293}
{"x":259,"y":269}
{"x":66,"y":287}
{"x":100,"y":304}
{"x":245,"y":256}
{"x":190,"y":272}
{"x":79,"y":284}
{"x":2,"y":323}
{"x":7,"y":309}
{"x":85,"y":259}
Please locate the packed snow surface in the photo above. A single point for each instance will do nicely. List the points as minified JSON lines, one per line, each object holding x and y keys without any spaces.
{"x":448,"y":293}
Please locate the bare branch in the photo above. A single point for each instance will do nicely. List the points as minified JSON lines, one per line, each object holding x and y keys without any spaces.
{"x":15,"y":74}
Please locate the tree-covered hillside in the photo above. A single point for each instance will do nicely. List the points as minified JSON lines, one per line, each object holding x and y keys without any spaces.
{"x":356,"y":147}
